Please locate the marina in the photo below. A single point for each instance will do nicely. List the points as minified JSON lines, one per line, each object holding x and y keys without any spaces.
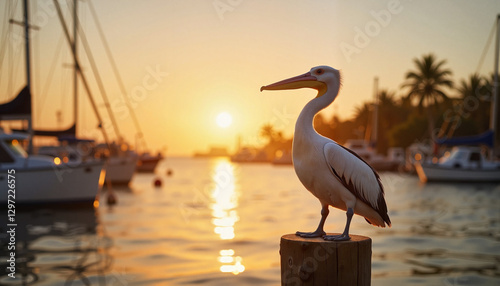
{"x":324,"y":143}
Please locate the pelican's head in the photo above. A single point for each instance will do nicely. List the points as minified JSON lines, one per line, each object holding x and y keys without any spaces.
{"x":320,"y":78}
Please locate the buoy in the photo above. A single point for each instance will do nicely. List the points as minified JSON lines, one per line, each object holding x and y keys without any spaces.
{"x":111,"y":199}
{"x":157,"y":182}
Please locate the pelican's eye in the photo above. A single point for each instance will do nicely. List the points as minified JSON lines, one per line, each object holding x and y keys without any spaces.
{"x":319,"y":71}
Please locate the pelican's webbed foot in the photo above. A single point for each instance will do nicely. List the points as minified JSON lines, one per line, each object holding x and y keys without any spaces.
{"x":345,"y":235}
{"x":340,"y":237}
{"x":316,"y":233}
{"x":319,"y":231}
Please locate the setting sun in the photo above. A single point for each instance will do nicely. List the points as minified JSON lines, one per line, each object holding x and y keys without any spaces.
{"x":224,"y":119}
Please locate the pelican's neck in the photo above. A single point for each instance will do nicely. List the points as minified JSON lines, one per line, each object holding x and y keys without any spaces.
{"x":304,"y":125}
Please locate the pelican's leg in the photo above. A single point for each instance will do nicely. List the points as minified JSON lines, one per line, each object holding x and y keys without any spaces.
{"x":319,"y":232}
{"x":345,"y":235}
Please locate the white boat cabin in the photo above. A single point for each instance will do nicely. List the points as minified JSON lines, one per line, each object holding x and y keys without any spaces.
{"x":467,"y":157}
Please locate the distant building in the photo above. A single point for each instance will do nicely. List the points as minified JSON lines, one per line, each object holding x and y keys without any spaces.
{"x":213,"y":152}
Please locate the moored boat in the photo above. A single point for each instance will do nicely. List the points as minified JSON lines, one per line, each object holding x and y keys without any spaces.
{"x":38,"y":179}
{"x":463,"y":164}
{"x":377,"y":161}
{"x":121,"y":162}
{"x":26,"y":178}
{"x":468,"y":162}
{"x":147,"y":163}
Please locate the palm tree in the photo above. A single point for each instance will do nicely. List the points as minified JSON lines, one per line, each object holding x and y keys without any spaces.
{"x":389,"y":111}
{"x":475,"y":96}
{"x":476,"y":87}
{"x":388,"y":116}
{"x":267,"y":131}
{"x":386,"y":98}
{"x":362,"y":116}
{"x":425,"y":84}
{"x":362,"y":113}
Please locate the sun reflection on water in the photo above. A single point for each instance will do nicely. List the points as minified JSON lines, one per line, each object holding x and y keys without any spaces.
{"x":224,"y":213}
{"x":230,"y":264}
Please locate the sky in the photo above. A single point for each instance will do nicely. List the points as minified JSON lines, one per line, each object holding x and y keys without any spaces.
{"x":185,"y":62}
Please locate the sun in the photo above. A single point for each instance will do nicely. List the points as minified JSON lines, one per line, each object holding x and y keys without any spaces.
{"x":224,"y":120}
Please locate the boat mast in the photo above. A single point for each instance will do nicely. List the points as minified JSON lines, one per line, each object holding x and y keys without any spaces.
{"x":495,"y":102}
{"x":99,"y":81}
{"x":28,"y":71}
{"x":373,"y":141}
{"x":79,"y":70}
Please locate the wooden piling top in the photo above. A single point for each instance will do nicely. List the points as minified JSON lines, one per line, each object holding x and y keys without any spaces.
{"x":315,"y":261}
{"x":354,"y":238}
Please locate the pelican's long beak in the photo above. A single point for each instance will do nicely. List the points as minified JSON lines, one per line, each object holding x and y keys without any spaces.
{"x":301,"y":81}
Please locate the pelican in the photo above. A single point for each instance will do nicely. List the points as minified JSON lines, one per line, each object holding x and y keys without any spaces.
{"x":335,"y":175}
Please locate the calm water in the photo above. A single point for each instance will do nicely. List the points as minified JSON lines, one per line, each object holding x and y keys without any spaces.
{"x":217,"y":223}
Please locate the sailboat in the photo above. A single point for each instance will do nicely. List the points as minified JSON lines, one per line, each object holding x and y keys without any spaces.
{"x":462,"y":164}
{"x":35,"y":179}
{"x":121,"y":162}
{"x":467,"y":161}
{"x":145,"y":162}
{"x":120,"y":159}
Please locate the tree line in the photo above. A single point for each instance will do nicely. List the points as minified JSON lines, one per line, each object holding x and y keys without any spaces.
{"x":428,"y":105}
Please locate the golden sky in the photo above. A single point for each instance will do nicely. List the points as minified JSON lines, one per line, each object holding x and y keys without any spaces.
{"x":185,"y":62}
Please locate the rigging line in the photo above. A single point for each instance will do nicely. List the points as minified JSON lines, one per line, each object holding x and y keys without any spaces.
{"x":486,"y":47}
{"x":64,"y":80}
{"x":82,"y":76}
{"x":35,"y":84}
{"x":117,"y":73}
{"x":4,"y":37}
{"x":16,"y":57}
{"x":98,"y":79}
{"x":10,"y":53}
{"x":48,"y":82}
{"x":36,"y":53}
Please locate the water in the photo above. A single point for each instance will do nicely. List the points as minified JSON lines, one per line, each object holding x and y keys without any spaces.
{"x":217,"y":223}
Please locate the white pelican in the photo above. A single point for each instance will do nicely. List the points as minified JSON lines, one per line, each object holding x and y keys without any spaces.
{"x":337,"y":176}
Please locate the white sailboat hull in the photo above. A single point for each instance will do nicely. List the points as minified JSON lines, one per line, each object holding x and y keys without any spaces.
{"x":428,"y":173}
{"x":53,"y":184}
{"x":120,"y":170}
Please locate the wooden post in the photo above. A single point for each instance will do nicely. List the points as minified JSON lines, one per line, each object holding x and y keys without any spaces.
{"x":314,"y":261}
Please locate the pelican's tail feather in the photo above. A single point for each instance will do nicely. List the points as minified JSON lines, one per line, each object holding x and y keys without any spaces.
{"x":382,"y":209}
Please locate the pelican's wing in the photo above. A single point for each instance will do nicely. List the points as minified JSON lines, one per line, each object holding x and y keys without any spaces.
{"x":357,"y":176}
